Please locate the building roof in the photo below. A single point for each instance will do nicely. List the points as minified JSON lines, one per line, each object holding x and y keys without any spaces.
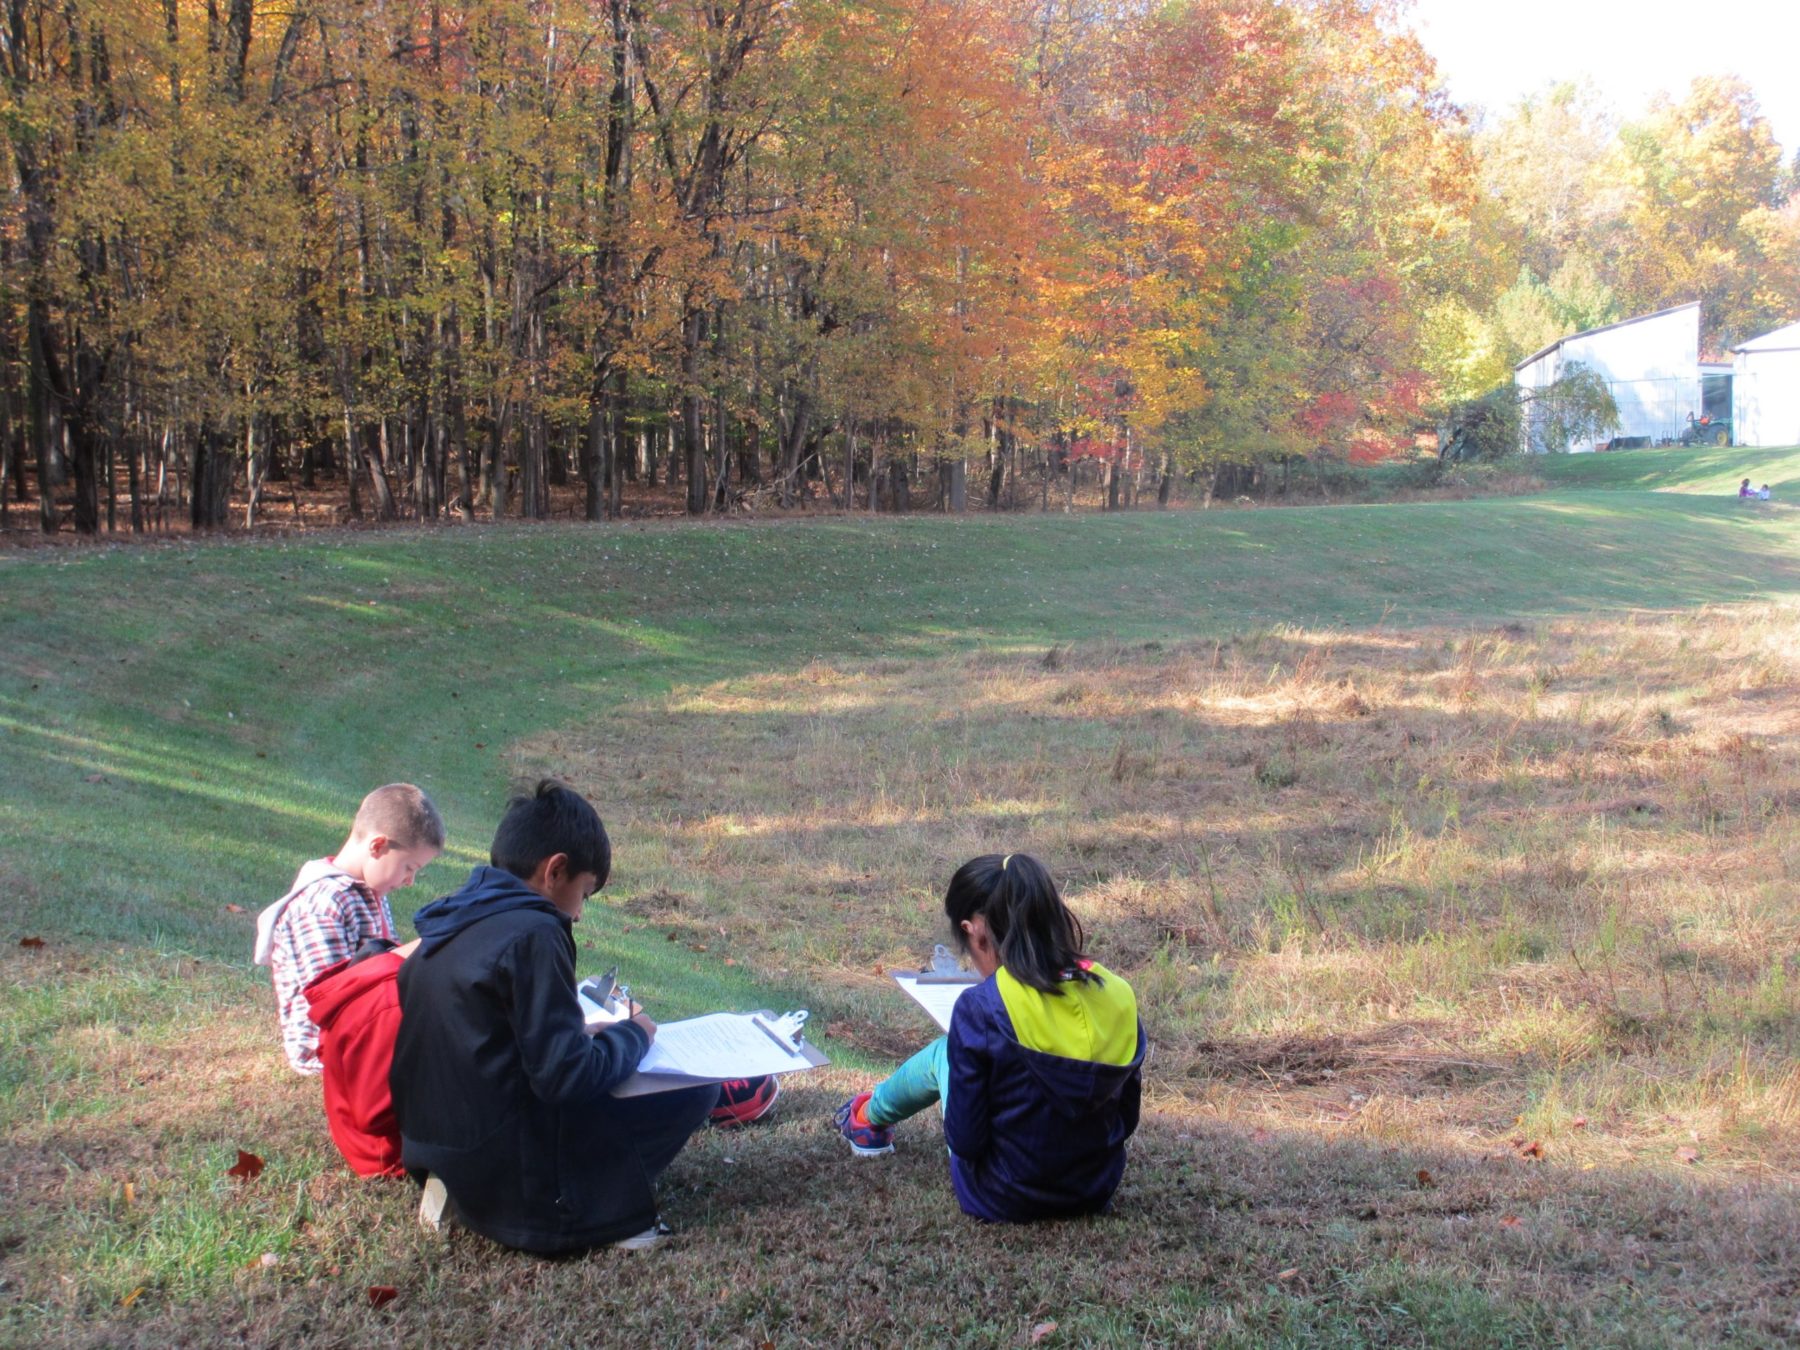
{"x":1603,"y":328}
{"x":1781,"y":340}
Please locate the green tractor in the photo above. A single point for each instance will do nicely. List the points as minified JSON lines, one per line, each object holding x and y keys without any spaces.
{"x":1707,"y":430}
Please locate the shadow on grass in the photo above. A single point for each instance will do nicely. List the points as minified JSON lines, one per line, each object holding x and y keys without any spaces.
{"x":1222,"y":1234}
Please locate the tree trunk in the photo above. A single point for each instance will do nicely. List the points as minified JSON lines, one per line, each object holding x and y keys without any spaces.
{"x":693,"y":443}
{"x":953,"y":487}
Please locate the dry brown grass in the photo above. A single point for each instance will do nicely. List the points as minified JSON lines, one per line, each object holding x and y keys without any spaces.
{"x":1398,"y":884}
{"x":1451,"y":945}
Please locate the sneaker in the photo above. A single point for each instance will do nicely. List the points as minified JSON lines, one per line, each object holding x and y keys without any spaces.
{"x":742,"y":1100}
{"x":644,"y":1241}
{"x":865,"y":1140}
{"x":431,"y":1205}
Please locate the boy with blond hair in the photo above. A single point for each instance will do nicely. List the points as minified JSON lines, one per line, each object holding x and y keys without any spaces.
{"x":338,"y":904}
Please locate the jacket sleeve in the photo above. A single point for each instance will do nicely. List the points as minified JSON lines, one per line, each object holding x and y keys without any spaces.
{"x":1132,"y":1098}
{"x":563,"y":1064}
{"x":969,"y":1060}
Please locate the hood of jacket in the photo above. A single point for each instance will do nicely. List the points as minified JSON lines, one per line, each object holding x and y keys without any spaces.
{"x":487,"y":892}
{"x":1078,"y":1087}
{"x":310,"y":874}
{"x":339,"y":986}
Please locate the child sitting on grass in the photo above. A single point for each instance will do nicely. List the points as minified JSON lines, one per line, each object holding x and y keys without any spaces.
{"x":338,"y":904}
{"x":1039,"y":1076}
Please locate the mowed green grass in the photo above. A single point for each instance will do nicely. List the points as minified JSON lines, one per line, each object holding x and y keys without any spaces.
{"x":1701,"y":469}
{"x":181,"y":725}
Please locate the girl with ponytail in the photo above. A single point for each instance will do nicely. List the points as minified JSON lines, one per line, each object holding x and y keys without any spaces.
{"x":1039,"y":1077}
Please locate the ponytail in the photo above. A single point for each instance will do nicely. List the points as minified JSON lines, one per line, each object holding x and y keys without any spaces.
{"x":1039,"y":938}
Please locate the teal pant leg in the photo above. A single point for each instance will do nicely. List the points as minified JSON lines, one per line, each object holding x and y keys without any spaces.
{"x":913,"y":1086}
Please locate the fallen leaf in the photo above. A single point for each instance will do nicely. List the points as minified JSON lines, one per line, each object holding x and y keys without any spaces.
{"x":1535,"y":1149}
{"x":1687,"y":1154}
{"x":731,"y":960}
{"x":380,"y":1295}
{"x":248,"y":1168}
{"x":270,"y":1260}
{"x":1041,"y":1330}
{"x":234,"y":909}
{"x":1425,"y":1179}
{"x":31,"y":942}
{"x":1291,"y":1273}
{"x":130,"y":1194}
{"x":1510,"y":1221}
{"x":132,"y":1297}
{"x":1579,"y":1123}
{"x":94,"y":778}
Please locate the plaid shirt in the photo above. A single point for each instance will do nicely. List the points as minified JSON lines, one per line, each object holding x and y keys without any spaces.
{"x":321,"y":926}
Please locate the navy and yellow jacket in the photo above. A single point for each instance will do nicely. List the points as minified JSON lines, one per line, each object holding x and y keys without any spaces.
{"x":1044,"y":1091}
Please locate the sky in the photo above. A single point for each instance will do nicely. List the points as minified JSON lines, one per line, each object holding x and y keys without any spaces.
{"x":1495,"y":53}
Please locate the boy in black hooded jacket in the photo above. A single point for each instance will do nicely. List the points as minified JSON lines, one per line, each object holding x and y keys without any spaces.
{"x":500,"y":1093}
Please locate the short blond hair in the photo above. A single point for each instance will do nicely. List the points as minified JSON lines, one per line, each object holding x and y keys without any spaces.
{"x":401,"y":812}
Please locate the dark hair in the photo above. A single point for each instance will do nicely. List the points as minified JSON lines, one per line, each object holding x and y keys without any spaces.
{"x":1039,"y":938}
{"x":548,"y":820}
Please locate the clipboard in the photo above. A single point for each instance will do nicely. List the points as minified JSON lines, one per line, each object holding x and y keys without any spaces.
{"x":784,"y":1037}
{"x":937,"y":987}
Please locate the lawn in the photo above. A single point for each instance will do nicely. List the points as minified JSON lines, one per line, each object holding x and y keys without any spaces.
{"x":1705,"y":470}
{"x":1450,"y":847}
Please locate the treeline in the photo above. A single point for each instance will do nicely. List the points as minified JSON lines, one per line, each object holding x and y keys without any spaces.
{"x":454,"y":257}
{"x":1598,"y":220}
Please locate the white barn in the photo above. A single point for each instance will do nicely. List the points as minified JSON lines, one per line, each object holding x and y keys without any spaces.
{"x":1765,"y":388}
{"x":1651,"y":364}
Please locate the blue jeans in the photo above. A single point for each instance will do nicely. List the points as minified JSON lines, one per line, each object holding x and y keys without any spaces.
{"x":915,"y":1085}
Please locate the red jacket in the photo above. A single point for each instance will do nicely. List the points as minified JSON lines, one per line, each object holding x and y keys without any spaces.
{"x":357,"y":1008}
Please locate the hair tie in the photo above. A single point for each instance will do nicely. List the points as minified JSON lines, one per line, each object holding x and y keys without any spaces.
{"x":1008,"y":858}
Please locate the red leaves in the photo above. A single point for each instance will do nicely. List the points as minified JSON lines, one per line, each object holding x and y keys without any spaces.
{"x":249,"y":1167}
{"x":1510,"y":1221}
{"x":380,"y":1295}
{"x":31,"y":943}
{"x":1426,"y":1180}
{"x":1535,"y":1149}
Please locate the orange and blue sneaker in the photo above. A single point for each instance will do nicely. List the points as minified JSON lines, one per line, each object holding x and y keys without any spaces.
{"x":866,"y":1140}
{"x":742,"y":1100}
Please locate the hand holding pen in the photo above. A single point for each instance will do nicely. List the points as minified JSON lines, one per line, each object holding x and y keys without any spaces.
{"x":634,"y":1011}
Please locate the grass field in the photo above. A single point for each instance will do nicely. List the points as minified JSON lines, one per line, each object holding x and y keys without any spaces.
{"x":1450,"y":847}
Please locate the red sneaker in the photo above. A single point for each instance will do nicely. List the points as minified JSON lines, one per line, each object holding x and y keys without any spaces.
{"x":742,"y":1100}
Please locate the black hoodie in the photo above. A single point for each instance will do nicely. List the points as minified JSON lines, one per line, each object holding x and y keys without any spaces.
{"x":496,"y":1084}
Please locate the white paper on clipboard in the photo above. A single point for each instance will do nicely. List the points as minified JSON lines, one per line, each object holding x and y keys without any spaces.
{"x":720,"y":1046}
{"x":937,"y":997}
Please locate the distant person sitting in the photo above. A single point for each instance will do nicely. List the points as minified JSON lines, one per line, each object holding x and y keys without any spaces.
{"x":1744,"y":491}
{"x":502,"y":1097}
{"x":1762,"y":493}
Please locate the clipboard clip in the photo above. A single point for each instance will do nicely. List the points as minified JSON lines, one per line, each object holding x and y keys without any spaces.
{"x":788,"y":1031}
{"x":946,"y":969}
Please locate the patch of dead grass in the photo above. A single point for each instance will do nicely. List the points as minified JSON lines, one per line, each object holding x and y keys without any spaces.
{"x":1567,"y":848}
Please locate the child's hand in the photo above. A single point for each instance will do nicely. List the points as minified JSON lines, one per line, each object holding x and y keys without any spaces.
{"x":642,"y":1019}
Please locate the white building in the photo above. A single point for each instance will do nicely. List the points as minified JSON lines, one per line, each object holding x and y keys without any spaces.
{"x":1651,"y":364}
{"x":1765,"y":388}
